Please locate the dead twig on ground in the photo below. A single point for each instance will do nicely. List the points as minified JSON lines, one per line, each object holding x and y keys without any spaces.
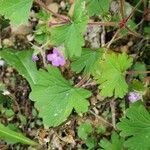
{"x":113,"y":112}
{"x":104,"y":121}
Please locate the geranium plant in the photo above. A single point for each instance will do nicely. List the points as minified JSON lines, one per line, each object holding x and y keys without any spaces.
{"x":64,"y":73}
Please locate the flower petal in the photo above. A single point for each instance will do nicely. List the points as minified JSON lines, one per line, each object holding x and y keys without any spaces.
{"x":56,"y":51}
{"x":55,"y":62}
{"x":134,"y":96}
{"x":62,"y":61}
{"x":51,"y":57}
{"x":34,"y":58}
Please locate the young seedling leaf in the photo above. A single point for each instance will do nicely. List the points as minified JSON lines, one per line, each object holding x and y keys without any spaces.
{"x":91,"y":142}
{"x":116,"y":143}
{"x":14,"y":137}
{"x":71,"y":35}
{"x":16,"y":10}
{"x":84,"y":130}
{"x":140,"y":67}
{"x":136,"y":126}
{"x":111,"y":77}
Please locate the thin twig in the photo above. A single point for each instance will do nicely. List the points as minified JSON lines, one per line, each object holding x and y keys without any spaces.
{"x":51,"y":24}
{"x":81,"y":82}
{"x":40,"y":49}
{"x":134,"y":9}
{"x":100,"y":103}
{"x":107,"y":24}
{"x":52,"y":12}
{"x":132,"y":32}
{"x":67,"y":20}
{"x":113,"y":112}
{"x":122,"y":4}
{"x":113,"y":38}
{"x":44,"y":59}
{"x":103,"y":36}
{"x":101,"y":118}
{"x":124,"y":26}
{"x":103,"y":24}
{"x":15,"y":102}
{"x":120,"y":37}
{"x":88,"y":84}
{"x":139,"y":48}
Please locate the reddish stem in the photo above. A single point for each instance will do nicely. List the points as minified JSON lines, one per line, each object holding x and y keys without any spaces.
{"x":103,"y":23}
{"x":123,"y":22}
{"x":66,"y":20}
{"x":110,"y":24}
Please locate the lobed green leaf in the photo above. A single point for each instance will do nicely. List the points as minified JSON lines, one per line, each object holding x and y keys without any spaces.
{"x":16,"y":10}
{"x":88,"y":62}
{"x":55,"y":98}
{"x":116,"y":143}
{"x":136,"y":127}
{"x":97,"y":7}
{"x":71,"y":35}
{"x":111,"y":76}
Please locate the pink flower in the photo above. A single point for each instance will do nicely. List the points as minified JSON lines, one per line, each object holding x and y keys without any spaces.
{"x":35,"y":58}
{"x":134,"y":96}
{"x":56,"y":58}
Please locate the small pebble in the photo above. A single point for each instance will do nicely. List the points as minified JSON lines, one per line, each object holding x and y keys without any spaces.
{"x":2,"y":62}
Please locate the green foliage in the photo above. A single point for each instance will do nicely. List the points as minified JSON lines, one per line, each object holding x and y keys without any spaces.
{"x":111,"y":77}
{"x":17,"y":10}
{"x":53,"y":95}
{"x":97,"y":7}
{"x":116,"y":143}
{"x":5,"y":100}
{"x":43,"y":16}
{"x":71,"y":35}
{"x":147,"y":29}
{"x":91,"y":142}
{"x":3,"y":23}
{"x":140,"y":67}
{"x":22,"y":118}
{"x":22,"y":62}
{"x":130,"y":24}
{"x":138,"y":86}
{"x":147,"y":32}
{"x":14,"y":137}
{"x":2,"y":87}
{"x":101,"y":129}
{"x":136,"y":126}
{"x":55,"y":98}
{"x":42,"y":33}
{"x":84,"y":130}
{"x":9,"y":113}
{"x":88,"y":62}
